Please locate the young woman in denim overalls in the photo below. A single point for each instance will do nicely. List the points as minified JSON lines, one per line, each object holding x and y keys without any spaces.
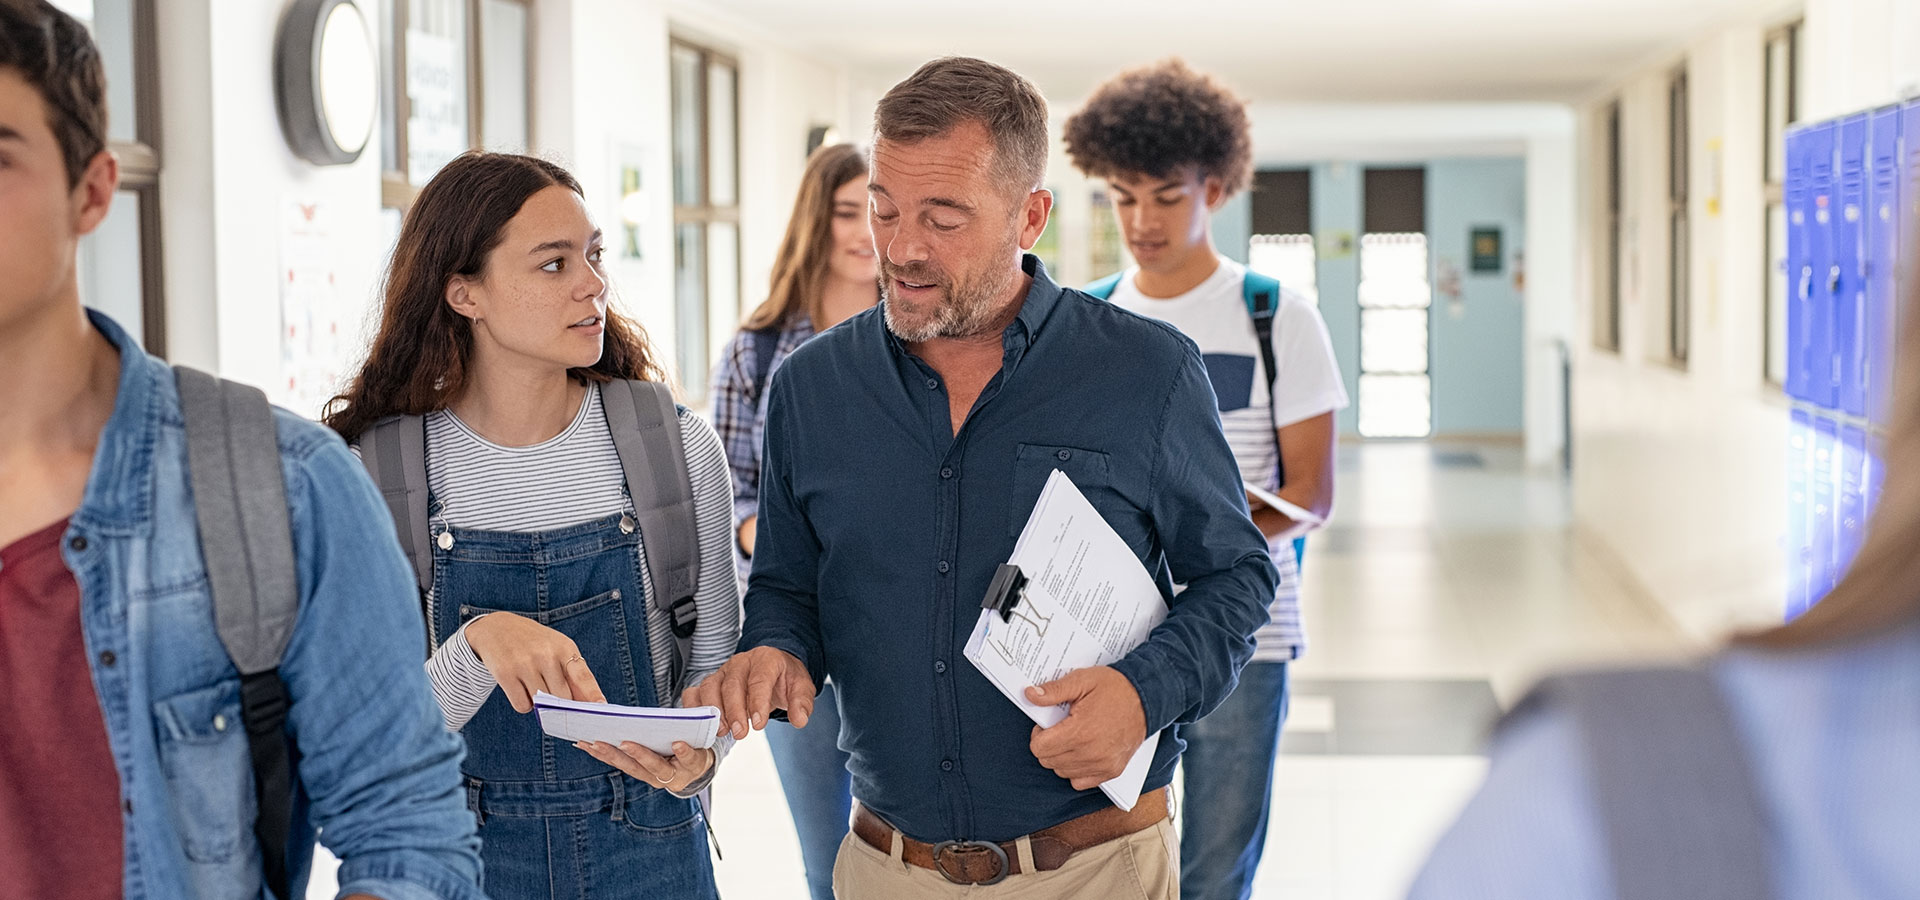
{"x":497,"y":330}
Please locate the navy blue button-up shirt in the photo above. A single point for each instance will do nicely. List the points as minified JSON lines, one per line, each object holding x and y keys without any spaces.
{"x":880,"y":529}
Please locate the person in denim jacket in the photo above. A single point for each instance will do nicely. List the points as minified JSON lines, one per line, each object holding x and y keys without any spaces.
{"x":127,"y":769}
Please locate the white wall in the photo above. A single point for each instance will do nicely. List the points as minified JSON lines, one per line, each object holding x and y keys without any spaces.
{"x":1680,"y":475}
{"x":227,"y":178}
{"x":601,"y":88}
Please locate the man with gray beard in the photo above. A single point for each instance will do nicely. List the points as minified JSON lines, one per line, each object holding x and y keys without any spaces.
{"x":904,"y":451}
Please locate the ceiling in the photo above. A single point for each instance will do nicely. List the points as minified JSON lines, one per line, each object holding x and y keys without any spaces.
{"x":1333,"y":51}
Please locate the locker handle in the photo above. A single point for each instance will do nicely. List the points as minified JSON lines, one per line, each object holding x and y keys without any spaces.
{"x":1833,"y":280}
{"x":1806,"y":283}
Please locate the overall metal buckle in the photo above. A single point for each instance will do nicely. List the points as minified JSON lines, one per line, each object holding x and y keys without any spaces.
{"x":970,"y":847}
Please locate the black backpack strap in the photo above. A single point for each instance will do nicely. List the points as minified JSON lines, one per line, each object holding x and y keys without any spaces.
{"x":765,"y":342}
{"x":1675,"y":791}
{"x":645,"y":424}
{"x":240,"y":504}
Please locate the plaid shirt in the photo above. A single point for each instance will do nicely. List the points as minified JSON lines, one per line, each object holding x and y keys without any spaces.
{"x":739,"y":414}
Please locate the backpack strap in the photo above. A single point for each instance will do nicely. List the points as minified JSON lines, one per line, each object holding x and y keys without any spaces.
{"x":1104,"y":287}
{"x":240,"y":503}
{"x":645,"y":424}
{"x":1675,"y":792}
{"x":394,"y":450}
{"x":765,"y":342}
{"x":1262,"y":293}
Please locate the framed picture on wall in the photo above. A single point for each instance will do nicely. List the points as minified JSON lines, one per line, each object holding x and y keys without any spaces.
{"x":1485,"y":244}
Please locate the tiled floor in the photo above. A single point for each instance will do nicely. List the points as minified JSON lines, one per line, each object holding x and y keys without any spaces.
{"x":1440,"y":590}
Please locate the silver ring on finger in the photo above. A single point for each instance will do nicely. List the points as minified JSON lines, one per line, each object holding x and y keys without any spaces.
{"x":572,"y":659}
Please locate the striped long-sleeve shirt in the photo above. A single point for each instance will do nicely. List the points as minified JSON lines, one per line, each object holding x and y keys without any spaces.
{"x":571,"y":478}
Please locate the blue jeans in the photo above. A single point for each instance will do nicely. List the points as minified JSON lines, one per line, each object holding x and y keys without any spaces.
{"x":813,"y":775}
{"x":1229,"y":786}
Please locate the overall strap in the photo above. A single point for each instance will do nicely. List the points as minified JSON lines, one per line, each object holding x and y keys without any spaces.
{"x":240,"y":504}
{"x":645,"y":424}
{"x":394,"y":450}
{"x":1675,"y":791}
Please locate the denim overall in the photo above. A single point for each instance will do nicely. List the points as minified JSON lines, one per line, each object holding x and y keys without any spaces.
{"x":554,"y":821}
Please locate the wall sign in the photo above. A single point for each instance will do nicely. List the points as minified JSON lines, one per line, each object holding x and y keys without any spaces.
{"x":1485,"y":244}
{"x":324,"y":81}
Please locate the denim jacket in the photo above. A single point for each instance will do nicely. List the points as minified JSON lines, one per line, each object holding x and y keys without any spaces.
{"x":378,"y":774}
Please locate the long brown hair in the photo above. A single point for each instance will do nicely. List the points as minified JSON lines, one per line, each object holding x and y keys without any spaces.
{"x":1881,"y":591}
{"x":421,"y":358}
{"x":800,"y":269}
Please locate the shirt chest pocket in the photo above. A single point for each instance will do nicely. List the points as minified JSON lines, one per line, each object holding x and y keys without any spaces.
{"x":1091,"y":472}
{"x":203,"y":751}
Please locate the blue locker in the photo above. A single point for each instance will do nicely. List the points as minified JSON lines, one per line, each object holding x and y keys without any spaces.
{"x":1848,"y":227}
{"x":1851,"y":523}
{"x":1822,"y":481}
{"x":1799,"y":207}
{"x":1882,"y":260}
{"x":1799,"y":513}
{"x":1823,"y":143}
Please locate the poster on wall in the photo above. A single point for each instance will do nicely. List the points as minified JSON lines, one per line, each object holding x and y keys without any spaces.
{"x":436,"y":93}
{"x":312,"y":345}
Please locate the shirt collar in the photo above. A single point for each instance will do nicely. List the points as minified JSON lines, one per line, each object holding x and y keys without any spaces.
{"x":119,"y":494}
{"x":1043,"y":296}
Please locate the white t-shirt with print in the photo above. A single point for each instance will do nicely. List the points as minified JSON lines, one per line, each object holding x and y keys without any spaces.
{"x":1306,"y":384}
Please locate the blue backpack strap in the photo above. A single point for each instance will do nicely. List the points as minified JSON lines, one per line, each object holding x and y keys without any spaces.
{"x":1262,"y":293}
{"x":1104,"y":287}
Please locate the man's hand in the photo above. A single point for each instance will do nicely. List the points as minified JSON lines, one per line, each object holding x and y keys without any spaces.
{"x":527,"y":657}
{"x":1105,"y":725}
{"x":752,"y":685}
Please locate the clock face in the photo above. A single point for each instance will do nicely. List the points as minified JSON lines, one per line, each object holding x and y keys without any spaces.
{"x":347,"y":73}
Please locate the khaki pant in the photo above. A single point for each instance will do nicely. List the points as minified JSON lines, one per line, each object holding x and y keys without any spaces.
{"x":1144,"y":865}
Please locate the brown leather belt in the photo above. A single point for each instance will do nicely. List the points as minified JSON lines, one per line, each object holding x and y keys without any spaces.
{"x":980,"y":862}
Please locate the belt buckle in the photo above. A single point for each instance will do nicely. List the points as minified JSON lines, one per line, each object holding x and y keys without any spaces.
{"x":999,"y":854}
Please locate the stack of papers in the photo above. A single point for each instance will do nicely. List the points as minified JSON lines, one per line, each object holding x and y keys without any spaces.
{"x":1088,"y":602}
{"x":655,"y":728}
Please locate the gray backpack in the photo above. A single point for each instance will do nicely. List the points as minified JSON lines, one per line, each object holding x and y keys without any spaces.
{"x":645,"y":424}
{"x":240,"y":504}
{"x":1676,"y":797}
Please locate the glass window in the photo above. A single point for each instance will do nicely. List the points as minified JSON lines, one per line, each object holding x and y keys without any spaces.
{"x":1680,"y":258}
{"x":505,"y":75}
{"x":436,"y":54}
{"x":1288,"y":258}
{"x":722,"y":125}
{"x":690,"y":302}
{"x":1395,"y":293}
{"x":688,"y":166}
{"x":705,"y":91}
{"x":112,"y":262}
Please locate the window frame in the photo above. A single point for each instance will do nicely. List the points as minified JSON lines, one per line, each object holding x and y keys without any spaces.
{"x":706,"y":213}
{"x":140,"y":167}
{"x":1773,"y":141}
{"x":1679,"y":235}
{"x":397,"y":191}
{"x":1607,"y":325}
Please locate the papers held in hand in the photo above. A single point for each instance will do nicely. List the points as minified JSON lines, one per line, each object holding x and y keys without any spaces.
{"x":1073,"y":596}
{"x":654,"y":728}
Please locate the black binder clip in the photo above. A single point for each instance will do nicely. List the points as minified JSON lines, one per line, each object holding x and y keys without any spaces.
{"x":1003,"y":593}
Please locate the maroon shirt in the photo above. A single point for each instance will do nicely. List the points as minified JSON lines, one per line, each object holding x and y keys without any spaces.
{"x":60,"y":824}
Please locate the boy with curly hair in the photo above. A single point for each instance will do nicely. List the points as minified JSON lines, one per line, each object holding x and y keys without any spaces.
{"x":1173,"y":145}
